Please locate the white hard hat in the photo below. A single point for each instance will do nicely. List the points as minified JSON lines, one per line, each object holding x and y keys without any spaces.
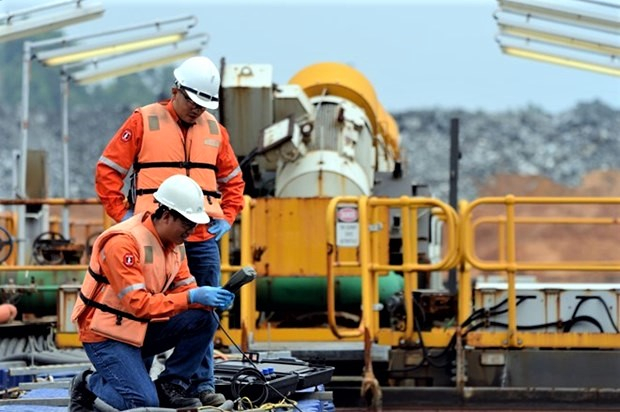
{"x":199,"y":77}
{"x":183,"y":195}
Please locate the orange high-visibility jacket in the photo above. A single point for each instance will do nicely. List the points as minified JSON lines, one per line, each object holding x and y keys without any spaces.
{"x":131,"y":279}
{"x":151,"y":135}
{"x":162,"y":156}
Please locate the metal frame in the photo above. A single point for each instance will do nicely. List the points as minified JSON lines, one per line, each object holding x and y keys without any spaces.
{"x":12,"y":29}
{"x":553,"y":34}
{"x":539,"y":24}
{"x":536,"y":52}
{"x":562,"y":14}
{"x":70,"y":54}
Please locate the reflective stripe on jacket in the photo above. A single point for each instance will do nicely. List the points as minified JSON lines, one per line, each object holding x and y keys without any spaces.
{"x":111,"y":317}
{"x":161,"y":156}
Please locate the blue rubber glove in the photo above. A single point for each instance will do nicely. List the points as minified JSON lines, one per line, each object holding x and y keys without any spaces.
{"x":211,"y":296}
{"x":127,"y":215}
{"x":218,"y":227}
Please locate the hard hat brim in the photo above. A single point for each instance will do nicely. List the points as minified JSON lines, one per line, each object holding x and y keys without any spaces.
{"x":207,"y":104}
{"x":199,"y":218}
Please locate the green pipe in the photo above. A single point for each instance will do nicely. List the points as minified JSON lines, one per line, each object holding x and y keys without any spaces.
{"x":36,"y":292}
{"x":39,"y":291}
{"x":310,"y":293}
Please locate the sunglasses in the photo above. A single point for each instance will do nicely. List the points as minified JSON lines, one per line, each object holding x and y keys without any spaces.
{"x":192,"y":103}
{"x":186,"y":223}
{"x":200,"y":94}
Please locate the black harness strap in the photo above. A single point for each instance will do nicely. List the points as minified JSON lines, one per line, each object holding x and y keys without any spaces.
{"x":181,"y":165}
{"x":140,"y":192}
{"x":99,"y":278}
{"x":106,"y":308}
{"x":119,"y":313}
{"x":137,"y":166}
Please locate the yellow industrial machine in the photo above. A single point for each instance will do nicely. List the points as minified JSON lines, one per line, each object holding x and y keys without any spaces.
{"x":352,"y":261}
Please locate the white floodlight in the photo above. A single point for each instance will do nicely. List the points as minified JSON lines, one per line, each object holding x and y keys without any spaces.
{"x":103,"y":71}
{"x":564,"y":14}
{"x":70,"y":54}
{"x":77,"y":53}
{"x":529,"y":51}
{"x":562,"y":36}
{"x":100,"y":73}
{"x":14,"y":28}
{"x":69,"y":49}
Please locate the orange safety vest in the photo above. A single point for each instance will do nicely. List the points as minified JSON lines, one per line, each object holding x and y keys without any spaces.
{"x":164,"y":152}
{"x":110,"y":318}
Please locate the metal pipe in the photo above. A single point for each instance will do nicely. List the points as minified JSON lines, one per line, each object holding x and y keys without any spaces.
{"x":68,"y":268}
{"x":64,"y":92}
{"x":10,"y":15}
{"x":156,"y":23}
{"x":21,"y":190}
{"x":455,"y":156}
{"x":50,"y":201}
{"x":74,"y":67}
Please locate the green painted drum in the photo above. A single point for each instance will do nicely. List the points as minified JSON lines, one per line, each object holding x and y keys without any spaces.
{"x":310,"y":293}
{"x":36,"y":292}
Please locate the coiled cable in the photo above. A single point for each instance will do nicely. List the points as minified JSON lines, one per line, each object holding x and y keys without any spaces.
{"x":251,"y":384}
{"x":250,"y":381}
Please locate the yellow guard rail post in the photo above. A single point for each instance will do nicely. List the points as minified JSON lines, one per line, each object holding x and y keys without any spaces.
{"x":332,"y":261}
{"x":248,"y":292}
{"x":368,"y":254}
{"x":411,"y":266}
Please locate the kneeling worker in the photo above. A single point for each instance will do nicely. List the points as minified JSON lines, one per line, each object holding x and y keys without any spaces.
{"x":139,"y":299}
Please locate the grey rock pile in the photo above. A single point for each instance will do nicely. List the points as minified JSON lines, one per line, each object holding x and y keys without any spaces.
{"x":528,"y":141}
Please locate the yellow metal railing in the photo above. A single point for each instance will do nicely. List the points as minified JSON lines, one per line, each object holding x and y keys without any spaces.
{"x":10,"y":222}
{"x":248,"y":292}
{"x":367,"y":264}
{"x":508,"y":263}
{"x":459,"y":250}
{"x":368,"y":251}
{"x":362,"y":208}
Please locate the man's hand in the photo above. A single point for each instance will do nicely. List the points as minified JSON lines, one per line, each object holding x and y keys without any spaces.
{"x":211,"y":296}
{"x":218,"y":227}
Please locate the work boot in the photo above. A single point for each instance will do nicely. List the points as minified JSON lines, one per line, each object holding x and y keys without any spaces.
{"x":81,"y":399}
{"x":173,"y":396}
{"x":210,"y":398}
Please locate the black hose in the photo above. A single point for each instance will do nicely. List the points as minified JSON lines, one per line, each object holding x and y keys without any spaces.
{"x":569,"y":325}
{"x":486,"y":313}
{"x":566,"y":325}
{"x":583,"y":299}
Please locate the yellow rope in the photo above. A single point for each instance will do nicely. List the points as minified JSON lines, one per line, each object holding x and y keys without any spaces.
{"x":281,"y":404}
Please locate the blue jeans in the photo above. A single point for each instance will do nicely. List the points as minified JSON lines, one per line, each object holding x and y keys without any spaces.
{"x":203,"y":259}
{"x":121,"y":378}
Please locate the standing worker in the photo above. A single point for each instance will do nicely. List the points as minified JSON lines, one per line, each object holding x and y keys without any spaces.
{"x":179,"y":136}
{"x":139,"y":299}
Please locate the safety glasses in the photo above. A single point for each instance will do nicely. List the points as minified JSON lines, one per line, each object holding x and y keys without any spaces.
{"x":200,"y":94}
{"x":192,"y":103}
{"x":186,"y":223}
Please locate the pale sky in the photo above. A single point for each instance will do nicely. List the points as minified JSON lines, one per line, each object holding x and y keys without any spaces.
{"x":418,"y":54}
